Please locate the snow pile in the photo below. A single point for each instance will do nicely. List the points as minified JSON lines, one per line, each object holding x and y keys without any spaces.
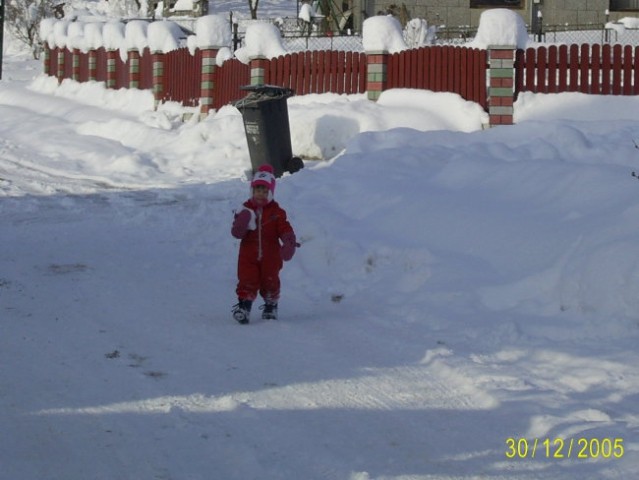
{"x":418,"y":33}
{"x":183,"y":6}
{"x":307,"y":12}
{"x":262,"y":39}
{"x":210,"y":31}
{"x":500,"y":26}
{"x":630,"y":22}
{"x":93,"y":35}
{"x":136,"y":35}
{"x":383,"y":34}
{"x":164,"y":36}
{"x":159,"y":36}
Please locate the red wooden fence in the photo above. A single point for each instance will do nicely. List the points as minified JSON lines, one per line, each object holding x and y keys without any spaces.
{"x":453,"y":69}
{"x":182,"y":77}
{"x":229,"y":77}
{"x":592,"y":69}
{"x":100,"y":65}
{"x":319,"y":72}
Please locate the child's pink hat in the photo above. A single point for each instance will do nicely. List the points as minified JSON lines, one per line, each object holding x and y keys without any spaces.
{"x":265,"y":175}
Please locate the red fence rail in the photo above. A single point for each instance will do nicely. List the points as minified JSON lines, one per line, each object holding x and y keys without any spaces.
{"x":453,"y":69}
{"x":591,"y":69}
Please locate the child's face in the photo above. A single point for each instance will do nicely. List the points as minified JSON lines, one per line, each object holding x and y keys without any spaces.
{"x":260,"y":193}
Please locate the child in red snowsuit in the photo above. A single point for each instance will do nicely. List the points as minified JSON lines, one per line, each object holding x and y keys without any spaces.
{"x":261,"y":224}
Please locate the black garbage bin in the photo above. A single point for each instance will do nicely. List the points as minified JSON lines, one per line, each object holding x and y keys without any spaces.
{"x":268,"y":132}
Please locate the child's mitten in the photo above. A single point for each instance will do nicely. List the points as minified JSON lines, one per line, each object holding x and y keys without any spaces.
{"x":288,"y":246}
{"x":244,"y":221}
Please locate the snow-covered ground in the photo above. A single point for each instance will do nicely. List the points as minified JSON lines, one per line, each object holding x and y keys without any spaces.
{"x":456,"y":288}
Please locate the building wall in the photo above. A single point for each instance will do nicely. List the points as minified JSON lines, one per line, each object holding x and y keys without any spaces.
{"x":454,"y":13}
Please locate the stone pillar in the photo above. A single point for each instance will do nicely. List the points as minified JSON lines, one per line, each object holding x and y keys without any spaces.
{"x":111,"y":71}
{"x":258,"y":68}
{"x":93,"y":65}
{"x":157,"y":59}
{"x":133,"y":57}
{"x":47,"y":59}
{"x":60,"y":72}
{"x":207,"y":84}
{"x":75,"y":72}
{"x":376,"y":75}
{"x":501,"y":90}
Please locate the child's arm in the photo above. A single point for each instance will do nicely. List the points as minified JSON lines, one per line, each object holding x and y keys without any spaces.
{"x":243,"y":222}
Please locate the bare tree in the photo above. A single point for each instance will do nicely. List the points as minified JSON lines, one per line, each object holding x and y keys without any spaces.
{"x":23,"y":21}
{"x":253,"y":8}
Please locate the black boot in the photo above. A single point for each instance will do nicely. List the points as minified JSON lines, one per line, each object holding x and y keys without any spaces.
{"x":269,"y":311}
{"x":242,"y":311}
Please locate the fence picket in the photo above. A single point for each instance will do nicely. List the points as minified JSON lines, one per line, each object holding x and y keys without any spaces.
{"x":595,"y":69}
{"x":542,"y":69}
{"x":584,"y":69}
{"x":627,"y":70}
{"x":574,"y":68}
{"x":552,"y":69}
{"x":616,"y":70}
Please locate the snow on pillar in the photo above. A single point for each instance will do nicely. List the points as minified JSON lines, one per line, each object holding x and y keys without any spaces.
{"x":501,"y":90}
{"x":207,"y":85}
{"x":376,"y":74}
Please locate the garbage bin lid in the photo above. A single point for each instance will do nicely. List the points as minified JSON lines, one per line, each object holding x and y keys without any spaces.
{"x":270,"y":90}
{"x":259,"y":93}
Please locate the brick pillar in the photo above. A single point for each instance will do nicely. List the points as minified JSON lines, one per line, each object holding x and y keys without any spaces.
{"x":207,"y":84}
{"x":376,"y":78}
{"x":93,"y":65}
{"x":133,"y":57}
{"x":47,"y":59}
{"x":157,"y":59}
{"x":258,"y":67}
{"x":111,"y":72}
{"x":60,"y":72}
{"x":501,"y":90}
{"x":75,"y":72}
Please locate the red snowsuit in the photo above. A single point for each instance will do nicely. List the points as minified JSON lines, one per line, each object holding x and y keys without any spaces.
{"x":260,"y":260}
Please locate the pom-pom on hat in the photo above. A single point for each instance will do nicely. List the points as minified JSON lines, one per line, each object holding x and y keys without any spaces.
{"x":265,"y":175}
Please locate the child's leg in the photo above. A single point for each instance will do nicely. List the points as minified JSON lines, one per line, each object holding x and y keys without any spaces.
{"x":248,"y":275}
{"x":270,"y":279}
